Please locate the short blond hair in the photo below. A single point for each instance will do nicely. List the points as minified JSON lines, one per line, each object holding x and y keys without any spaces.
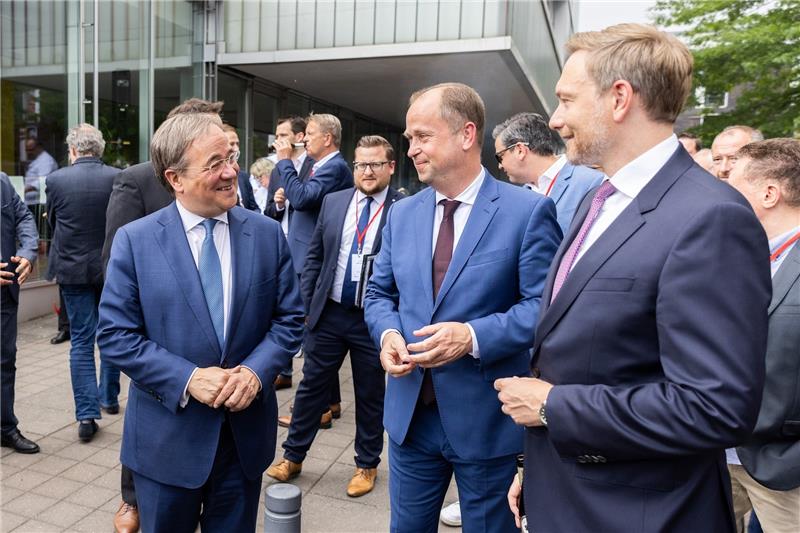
{"x":460,"y":103}
{"x":656,"y":64}
{"x":328,"y":124}
{"x":262,"y":166}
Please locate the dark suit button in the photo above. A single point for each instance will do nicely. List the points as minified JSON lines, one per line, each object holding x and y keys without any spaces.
{"x":536,"y":372}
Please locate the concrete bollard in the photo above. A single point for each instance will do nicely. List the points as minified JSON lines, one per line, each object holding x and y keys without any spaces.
{"x":282,"y":508}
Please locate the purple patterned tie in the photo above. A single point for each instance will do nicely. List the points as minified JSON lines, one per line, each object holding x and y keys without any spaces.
{"x":605,"y":190}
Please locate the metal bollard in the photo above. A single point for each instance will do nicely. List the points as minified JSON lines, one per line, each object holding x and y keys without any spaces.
{"x":282,"y":508}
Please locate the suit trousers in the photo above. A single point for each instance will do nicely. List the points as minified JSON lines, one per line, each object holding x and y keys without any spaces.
{"x":226,"y":502}
{"x":8,"y":355}
{"x":778,"y":511}
{"x":419,"y":473}
{"x":338,"y":331}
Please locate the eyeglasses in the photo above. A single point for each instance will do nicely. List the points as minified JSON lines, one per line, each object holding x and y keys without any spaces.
{"x":216,"y":166}
{"x":499,"y":155}
{"x":374,"y":165}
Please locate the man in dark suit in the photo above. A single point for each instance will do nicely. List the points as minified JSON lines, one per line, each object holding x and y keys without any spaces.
{"x":19,"y":242}
{"x":767,"y":479}
{"x":454,"y":291}
{"x":246,"y":197}
{"x":193,"y":460}
{"x":77,"y":198}
{"x":648,"y":356}
{"x":348,"y":230}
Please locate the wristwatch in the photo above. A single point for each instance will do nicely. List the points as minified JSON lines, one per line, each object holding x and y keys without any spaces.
{"x":542,"y":414}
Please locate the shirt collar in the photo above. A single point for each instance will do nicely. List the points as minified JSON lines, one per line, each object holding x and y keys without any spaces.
{"x":553,"y":170}
{"x":300,"y":159}
{"x":632,"y":178}
{"x":776,"y":242}
{"x":325,"y":159}
{"x":378,"y":198}
{"x":468,"y":195}
{"x":190,"y":220}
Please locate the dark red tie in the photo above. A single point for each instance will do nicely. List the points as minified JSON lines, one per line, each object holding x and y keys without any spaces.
{"x":441,"y":261}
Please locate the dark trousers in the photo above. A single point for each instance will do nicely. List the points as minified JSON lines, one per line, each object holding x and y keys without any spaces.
{"x":8,"y":359}
{"x":227,"y":501}
{"x":338,"y":331}
{"x":127,"y":486}
{"x":419,"y":474}
{"x":63,"y":316}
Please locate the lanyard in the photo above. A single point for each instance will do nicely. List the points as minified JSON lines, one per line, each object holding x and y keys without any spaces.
{"x":361,"y":235}
{"x":782,"y":248}
{"x":550,"y":187}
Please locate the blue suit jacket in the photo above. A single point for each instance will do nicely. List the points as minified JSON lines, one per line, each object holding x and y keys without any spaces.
{"x":655,"y":345}
{"x":494,"y":282}
{"x":571,"y":186}
{"x":155,"y":326}
{"x":18,"y":234}
{"x":305,"y":198}
{"x":246,"y":191}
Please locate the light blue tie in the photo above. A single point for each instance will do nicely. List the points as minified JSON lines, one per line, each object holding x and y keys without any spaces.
{"x":211,"y":280}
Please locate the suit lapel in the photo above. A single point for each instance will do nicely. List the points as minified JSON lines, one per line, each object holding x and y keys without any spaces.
{"x":175,"y":247}
{"x":242,"y":240}
{"x":425,"y":211}
{"x":305,"y":169}
{"x":785,"y":278}
{"x":337,"y":219}
{"x":391,"y":197}
{"x":479,"y":218}
{"x":562,"y":182}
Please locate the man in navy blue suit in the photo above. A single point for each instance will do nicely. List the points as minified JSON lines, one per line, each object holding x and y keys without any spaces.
{"x":348,"y":230}
{"x":528,"y":151}
{"x":201,"y":309}
{"x":648,"y":359}
{"x":452,"y":299}
{"x":246,"y":197}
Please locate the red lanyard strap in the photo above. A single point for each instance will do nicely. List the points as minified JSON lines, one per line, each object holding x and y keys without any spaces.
{"x":550,"y":187}
{"x":782,"y":248}
{"x":361,"y":235}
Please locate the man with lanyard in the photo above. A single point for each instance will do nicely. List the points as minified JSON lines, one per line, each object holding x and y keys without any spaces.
{"x":764,"y":474}
{"x":348,"y":230}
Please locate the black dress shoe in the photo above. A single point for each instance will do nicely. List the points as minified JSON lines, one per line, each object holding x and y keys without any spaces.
{"x":19,"y":443}
{"x":87,"y":429}
{"x":283,"y":382}
{"x":111,"y":409}
{"x":61,"y":336}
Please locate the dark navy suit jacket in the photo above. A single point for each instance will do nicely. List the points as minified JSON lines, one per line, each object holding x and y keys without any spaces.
{"x":246,"y":191}
{"x":655,"y":346}
{"x":155,"y":326}
{"x":494,"y":282}
{"x":323,"y":253}
{"x":19,"y":235}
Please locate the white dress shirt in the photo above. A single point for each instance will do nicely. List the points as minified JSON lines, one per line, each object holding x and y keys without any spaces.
{"x":549,"y":175}
{"x":298,"y":164}
{"x":349,"y":231}
{"x":629,"y":181}
{"x":318,"y":164}
{"x":41,"y":167}
{"x":260,"y":193}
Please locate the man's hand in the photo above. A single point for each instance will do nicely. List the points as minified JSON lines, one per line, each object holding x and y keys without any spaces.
{"x":283,"y":149}
{"x":280,"y":198}
{"x":448,"y":341}
{"x":522,"y":398}
{"x":23,"y":270}
{"x":394,"y":355}
{"x":513,"y":499}
{"x":6,"y":277}
{"x":207,"y":383}
{"x":239,"y":391}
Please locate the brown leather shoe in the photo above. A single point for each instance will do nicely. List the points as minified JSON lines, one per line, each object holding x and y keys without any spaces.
{"x":127,"y":519}
{"x":283,"y":382}
{"x":336,"y":410}
{"x":325,"y":421}
{"x":363,"y":482}
{"x":284,"y":470}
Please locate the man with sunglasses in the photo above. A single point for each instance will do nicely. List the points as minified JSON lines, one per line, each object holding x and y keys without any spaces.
{"x":348,"y":231}
{"x":201,"y":351}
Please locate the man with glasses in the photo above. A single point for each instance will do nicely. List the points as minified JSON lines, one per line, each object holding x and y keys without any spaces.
{"x":201,"y":352}
{"x":347,"y":234}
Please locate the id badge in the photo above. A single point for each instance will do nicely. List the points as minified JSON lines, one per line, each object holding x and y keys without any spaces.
{"x":357,"y":261}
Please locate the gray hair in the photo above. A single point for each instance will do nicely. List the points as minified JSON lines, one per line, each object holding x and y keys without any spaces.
{"x":261,"y":167}
{"x":531,"y":129}
{"x":174,"y":137}
{"x":328,"y":124}
{"x":754,"y":134}
{"x":86,"y":140}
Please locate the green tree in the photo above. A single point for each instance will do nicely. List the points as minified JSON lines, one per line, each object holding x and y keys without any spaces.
{"x":753,"y":45}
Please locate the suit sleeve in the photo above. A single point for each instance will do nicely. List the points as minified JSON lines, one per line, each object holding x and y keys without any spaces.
{"x":285,"y":333}
{"x":27,"y":234}
{"x":125,"y":205}
{"x":382,"y":298}
{"x":274,"y":184}
{"x":308,"y":195}
{"x":121,"y":334}
{"x":314,"y":259}
{"x":711,"y":317}
{"x":502,"y":335}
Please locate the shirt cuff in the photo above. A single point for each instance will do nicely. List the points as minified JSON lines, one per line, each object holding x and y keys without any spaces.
{"x":280,"y":209}
{"x":185,"y":395}
{"x":476,"y":350}
{"x":260,"y":385}
{"x":383,"y":335}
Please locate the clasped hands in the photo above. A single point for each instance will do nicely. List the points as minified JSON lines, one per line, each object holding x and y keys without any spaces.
{"x":446,"y":342}
{"x":234,"y":388}
{"x":22,"y":271}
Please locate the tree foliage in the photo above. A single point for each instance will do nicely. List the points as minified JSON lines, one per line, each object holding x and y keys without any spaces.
{"x":750,"y":45}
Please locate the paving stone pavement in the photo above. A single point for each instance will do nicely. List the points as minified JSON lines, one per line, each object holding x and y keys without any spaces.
{"x":72,"y":486}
